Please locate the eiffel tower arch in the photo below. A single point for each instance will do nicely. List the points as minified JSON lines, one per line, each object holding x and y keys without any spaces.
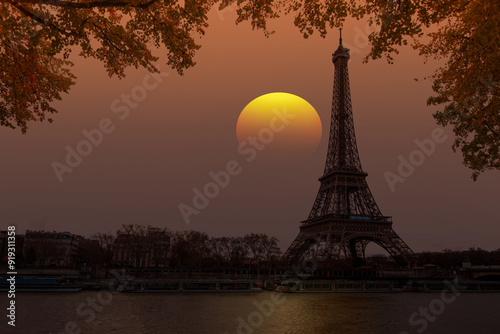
{"x":344,"y":218}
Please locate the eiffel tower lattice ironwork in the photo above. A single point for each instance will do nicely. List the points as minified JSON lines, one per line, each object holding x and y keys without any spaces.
{"x":344,"y":217}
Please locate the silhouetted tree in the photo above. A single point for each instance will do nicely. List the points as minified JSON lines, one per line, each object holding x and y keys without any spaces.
{"x":272,"y":252}
{"x":106,"y":242}
{"x":190,"y":249}
{"x":255,"y":244}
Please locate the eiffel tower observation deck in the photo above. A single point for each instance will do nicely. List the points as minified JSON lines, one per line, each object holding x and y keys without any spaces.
{"x":344,"y":218}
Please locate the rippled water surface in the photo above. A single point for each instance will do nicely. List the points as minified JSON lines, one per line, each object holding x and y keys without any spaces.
{"x":245,"y":313}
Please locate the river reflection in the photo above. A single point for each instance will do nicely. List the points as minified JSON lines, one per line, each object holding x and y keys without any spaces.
{"x":245,"y":313}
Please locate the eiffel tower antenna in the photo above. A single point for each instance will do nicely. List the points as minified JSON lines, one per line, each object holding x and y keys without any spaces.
{"x":344,"y":218}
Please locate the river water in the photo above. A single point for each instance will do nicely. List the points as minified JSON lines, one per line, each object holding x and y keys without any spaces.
{"x":267,"y":312}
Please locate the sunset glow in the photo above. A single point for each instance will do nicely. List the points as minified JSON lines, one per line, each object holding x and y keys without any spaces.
{"x":285,"y":121}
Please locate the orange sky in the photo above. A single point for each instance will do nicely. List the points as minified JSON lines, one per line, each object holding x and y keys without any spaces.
{"x":186,"y":128}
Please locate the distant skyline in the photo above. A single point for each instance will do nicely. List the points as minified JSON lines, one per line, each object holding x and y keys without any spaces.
{"x":165,"y":143}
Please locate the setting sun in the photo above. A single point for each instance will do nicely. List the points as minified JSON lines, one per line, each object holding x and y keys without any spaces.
{"x":284,"y":121}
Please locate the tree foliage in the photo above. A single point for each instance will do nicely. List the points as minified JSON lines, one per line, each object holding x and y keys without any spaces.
{"x":190,"y":249}
{"x":196,"y":249}
{"x":106,"y":243}
{"x":37,"y":37}
{"x":138,"y":243}
{"x":262,"y":247}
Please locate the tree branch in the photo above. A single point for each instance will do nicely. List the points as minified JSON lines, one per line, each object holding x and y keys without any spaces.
{"x":39,"y":19}
{"x":91,"y":4}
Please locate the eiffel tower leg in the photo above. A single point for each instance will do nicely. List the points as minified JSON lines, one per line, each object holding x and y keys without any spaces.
{"x":395,"y":246}
{"x":335,"y":246}
{"x":347,"y":250}
{"x":353,"y":248}
{"x":361,"y":248}
{"x":295,"y":249}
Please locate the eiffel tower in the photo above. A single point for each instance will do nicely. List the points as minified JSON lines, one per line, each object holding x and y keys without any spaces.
{"x":344,"y":217}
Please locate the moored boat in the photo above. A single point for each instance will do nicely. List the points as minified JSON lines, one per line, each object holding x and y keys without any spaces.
{"x":154,"y":286}
{"x":41,"y":284}
{"x":337,"y":286}
{"x":462,"y":286}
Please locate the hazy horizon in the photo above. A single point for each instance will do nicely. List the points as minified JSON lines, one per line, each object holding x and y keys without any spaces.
{"x":186,"y":127}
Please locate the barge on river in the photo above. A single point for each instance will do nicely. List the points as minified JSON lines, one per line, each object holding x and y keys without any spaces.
{"x":146,"y":286}
{"x":41,"y":284}
{"x":386,"y":286}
